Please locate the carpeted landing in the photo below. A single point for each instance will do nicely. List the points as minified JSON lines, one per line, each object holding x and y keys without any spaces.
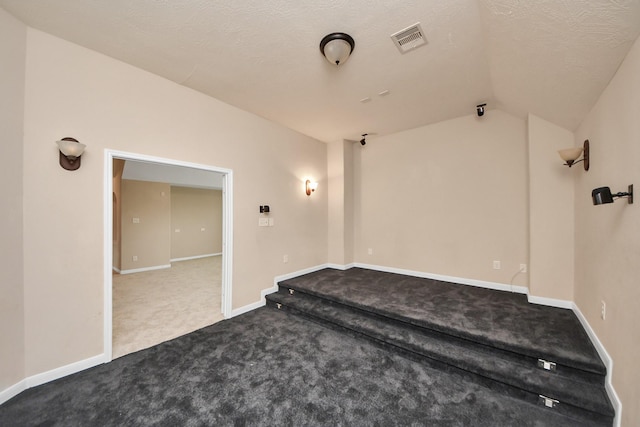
{"x":536,"y":355}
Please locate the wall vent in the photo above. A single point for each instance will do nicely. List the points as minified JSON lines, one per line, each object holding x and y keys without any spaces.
{"x":409,"y":38}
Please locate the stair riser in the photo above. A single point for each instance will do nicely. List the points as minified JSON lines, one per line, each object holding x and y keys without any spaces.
{"x":506,"y":389}
{"x":578,"y":372}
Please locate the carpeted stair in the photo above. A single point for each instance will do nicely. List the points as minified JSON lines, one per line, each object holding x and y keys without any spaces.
{"x":536,"y":353}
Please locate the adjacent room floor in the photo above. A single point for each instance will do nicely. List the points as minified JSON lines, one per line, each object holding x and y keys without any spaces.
{"x":155,"y":306}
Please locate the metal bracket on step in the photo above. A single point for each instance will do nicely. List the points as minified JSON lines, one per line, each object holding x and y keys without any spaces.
{"x":291,"y":291}
{"x":546,"y":365}
{"x":278,"y":305}
{"x":547,"y":401}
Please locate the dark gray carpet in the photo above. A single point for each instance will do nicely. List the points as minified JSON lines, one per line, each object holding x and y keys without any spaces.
{"x":269,"y":368}
{"x":500,"y":319}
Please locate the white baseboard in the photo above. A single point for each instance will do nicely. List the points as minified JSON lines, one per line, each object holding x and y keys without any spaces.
{"x":606,"y":359}
{"x":116,"y":269}
{"x":274,"y":288}
{"x":140,"y":270}
{"x":12,"y":391}
{"x":341,"y":266}
{"x":54,"y":374}
{"x":247,"y":308}
{"x":195,"y":257}
{"x":552,"y":302}
{"x":63,"y":371}
{"x":449,"y":279}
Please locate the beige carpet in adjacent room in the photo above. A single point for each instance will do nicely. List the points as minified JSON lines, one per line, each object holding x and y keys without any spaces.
{"x":155,"y":306}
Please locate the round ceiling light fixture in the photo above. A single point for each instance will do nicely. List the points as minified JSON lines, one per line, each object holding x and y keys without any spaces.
{"x":337,"y":47}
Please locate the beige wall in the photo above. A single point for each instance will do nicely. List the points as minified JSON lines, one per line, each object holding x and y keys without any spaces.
{"x":551,"y":216}
{"x":149,"y":239}
{"x":197,"y":213}
{"x":608,"y":237}
{"x":340,"y":177}
{"x":72,"y":91}
{"x":448,"y":198}
{"x":12,"y":57}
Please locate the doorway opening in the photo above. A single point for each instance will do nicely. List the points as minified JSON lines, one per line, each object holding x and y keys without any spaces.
{"x":167,"y":170}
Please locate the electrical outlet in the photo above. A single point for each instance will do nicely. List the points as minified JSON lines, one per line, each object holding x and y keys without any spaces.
{"x":134,"y":258}
{"x":603,"y":310}
{"x":523,"y":268}
{"x":285,"y":258}
{"x":496,"y":265}
{"x":370,"y":251}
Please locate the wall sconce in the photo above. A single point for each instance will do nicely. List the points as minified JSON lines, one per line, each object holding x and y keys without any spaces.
{"x":570,"y":155}
{"x":310,"y":186}
{"x":603,"y":195}
{"x":70,"y":153}
{"x":337,"y":47}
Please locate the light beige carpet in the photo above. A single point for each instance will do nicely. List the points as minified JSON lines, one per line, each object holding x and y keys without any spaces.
{"x":155,"y":306}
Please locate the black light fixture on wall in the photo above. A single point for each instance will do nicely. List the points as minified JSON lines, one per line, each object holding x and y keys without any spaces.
{"x":602,"y":195}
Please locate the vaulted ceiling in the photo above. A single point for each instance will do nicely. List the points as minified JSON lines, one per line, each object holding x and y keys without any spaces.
{"x":552,"y":58}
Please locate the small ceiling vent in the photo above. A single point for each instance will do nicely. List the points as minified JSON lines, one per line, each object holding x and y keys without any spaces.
{"x":409,"y":38}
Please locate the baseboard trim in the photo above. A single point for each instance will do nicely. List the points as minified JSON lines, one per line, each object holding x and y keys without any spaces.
{"x":551,"y":302}
{"x":247,"y":308}
{"x":116,"y":269}
{"x":449,"y":279}
{"x":341,"y":266}
{"x":12,"y":391}
{"x":263,"y":301}
{"x":606,"y":359}
{"x":63,"y":371}
{"x":48,"y":376}
{"x":140,"y":270}
{"x":195,"y":257}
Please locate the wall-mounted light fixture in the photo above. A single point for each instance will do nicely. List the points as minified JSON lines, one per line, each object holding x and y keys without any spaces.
{"x":363,"y":140}
{"x":603,"y":195}
{"x":570,"y":155}
{"x":310,"y":186}
{"x":337,"y":47}
{"x":70,"y":153}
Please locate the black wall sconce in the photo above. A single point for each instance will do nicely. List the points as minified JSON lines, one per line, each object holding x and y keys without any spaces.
{"x":603,"y":195}
{"x":570,"y":155}
{"x":70,"y":153}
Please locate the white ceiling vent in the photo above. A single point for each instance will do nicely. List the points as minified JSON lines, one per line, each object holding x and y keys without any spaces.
{"x":409,"y":38}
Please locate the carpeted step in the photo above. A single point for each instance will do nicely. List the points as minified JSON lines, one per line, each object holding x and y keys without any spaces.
{"x":495,"y":318}
{"x":578,"y":398}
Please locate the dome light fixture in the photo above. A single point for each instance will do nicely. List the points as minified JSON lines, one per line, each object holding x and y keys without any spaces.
{"x":337,"y":47}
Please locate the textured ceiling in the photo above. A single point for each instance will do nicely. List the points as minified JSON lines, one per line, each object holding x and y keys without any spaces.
{"x":552,"y":58}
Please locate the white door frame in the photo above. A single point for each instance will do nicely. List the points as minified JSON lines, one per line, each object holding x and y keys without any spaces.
{"x":227,"y":233}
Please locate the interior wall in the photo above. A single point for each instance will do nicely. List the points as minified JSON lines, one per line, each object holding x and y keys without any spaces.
{"x":551,"y":215}
{"x":607,"y":244}
{"x":104,"y":103}
{"x":196,"y":222}
{"x":146,"y":224}
{"x":448,"y":199}
{"x":13,"y":38}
